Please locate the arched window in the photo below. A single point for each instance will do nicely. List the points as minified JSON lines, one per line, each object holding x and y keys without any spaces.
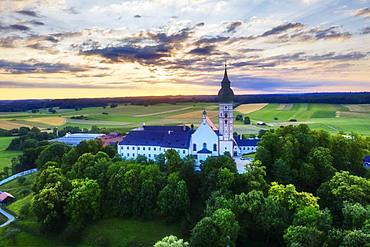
{"x":225,"y":121}
{"x":204,"y":145}
{"x":214,"y":147}
{"x":194,"y":147}
{"x":225,"y":114}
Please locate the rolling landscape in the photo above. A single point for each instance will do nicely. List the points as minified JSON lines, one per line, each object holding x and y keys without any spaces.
{"x":198,"y":123}
{"x":334,"y":118}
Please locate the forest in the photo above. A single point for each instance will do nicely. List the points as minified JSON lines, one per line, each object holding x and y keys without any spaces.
{"x":305,"y":188}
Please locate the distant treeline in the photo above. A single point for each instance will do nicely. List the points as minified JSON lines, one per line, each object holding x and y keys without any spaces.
{"x":329,"y":98}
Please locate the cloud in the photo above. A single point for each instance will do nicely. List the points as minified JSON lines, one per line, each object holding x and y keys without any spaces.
{"x":231,"y":27}
{"x":24,"y":67}
{"x":17,"y":84}
{"x":207,"y":50}
{"x":14,"y":27}
{"x":365,"y":12}
{"x":365,"y":30}
{"x":147,"y":47}
{"x":211,"y":40}
{"x":144,"y":54}
{"x":283,"y":28}
{"x":330,"y":33}
{"x":28,"y":13}
{"x":36,"y":23}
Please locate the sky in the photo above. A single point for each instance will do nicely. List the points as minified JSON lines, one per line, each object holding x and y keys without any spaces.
{"x":117,"y":48}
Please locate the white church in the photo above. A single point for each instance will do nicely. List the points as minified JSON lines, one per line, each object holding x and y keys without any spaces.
{"x":202,"y":142}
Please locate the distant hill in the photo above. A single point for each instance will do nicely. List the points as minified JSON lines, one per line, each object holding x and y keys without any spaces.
{"x":329,"y":98}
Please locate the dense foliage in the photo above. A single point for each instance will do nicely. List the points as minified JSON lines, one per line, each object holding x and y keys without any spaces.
{"x":305,"y":188}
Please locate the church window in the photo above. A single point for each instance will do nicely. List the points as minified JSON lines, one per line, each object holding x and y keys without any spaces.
{"x":133,"y":148}
{"x":148,"y":148}
{"x":143,"y":148}
{"x":225,"y":114}
{"x":204,"y":145}
{"x":225,"y":121}
{"x":183,"y":151}
{"x":214,"y":147}
{"x":149,"y":155}
{"x":138,"y":148}
{"x":155,"y":149}
{"x":225,"y":107}
{"x":194,"y":147}
{"x":128,"y":148}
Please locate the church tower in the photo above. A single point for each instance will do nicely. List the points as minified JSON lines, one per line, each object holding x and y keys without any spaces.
{"x":226,"y":115}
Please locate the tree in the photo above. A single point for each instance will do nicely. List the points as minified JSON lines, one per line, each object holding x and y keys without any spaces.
{"x":281,"y":172}
{"x":220,"y":229}
{"x":171,"y":241}
{"x":355,"y":215}
{"x":173,"y":199}
{"x":48,"y":205}
{"x":49,"y":176}
{"x":53,"y":152}
{"x":173,"y":160}
{"x":344,"y":187}
{"x":303,"y":236}
{"x":247,"y":120}
{"x":83,"y":202}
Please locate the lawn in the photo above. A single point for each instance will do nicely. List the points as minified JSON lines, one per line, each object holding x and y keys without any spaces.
{"x":128,"y":232}
{"x":6,"y":156}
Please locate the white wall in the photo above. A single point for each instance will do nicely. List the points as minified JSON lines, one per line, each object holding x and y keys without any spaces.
{"x":151,"y":152}
{"x":204,"y":134}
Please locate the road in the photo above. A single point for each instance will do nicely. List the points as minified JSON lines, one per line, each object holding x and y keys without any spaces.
{"x":7,"y":215}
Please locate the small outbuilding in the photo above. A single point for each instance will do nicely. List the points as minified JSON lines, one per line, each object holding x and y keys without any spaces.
{"x":6,"y":198}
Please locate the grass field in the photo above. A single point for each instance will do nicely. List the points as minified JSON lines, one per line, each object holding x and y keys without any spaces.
{"x":331,"y":117}
{"x":6,"y":156}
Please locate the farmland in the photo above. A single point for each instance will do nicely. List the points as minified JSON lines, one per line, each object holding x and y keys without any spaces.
{"x":334,"y":118}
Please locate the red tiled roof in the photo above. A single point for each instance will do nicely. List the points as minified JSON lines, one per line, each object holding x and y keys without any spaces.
{"x":5,"y":195}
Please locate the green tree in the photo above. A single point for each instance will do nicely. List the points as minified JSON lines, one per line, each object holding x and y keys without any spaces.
{"x":173,"y":199}
{"x":344,"y":187}
{"x":83,"y":202}
{"x":220,"y":229}
{"x":48,"y":205}
{"x":53,"y":152}
{"x":171,"y":241}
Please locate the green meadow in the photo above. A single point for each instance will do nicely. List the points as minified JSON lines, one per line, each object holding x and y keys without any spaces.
{"x":334,"y":118}
{"x":6,"y":156}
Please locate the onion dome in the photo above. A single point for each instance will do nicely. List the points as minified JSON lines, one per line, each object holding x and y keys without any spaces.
{"x":226,"y":94}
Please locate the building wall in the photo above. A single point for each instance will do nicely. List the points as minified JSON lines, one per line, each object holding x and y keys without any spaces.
{"x":245,"y":149}
{"x":226,"y":120}
{"x":151,"y":152}
{"x":204,"y":134}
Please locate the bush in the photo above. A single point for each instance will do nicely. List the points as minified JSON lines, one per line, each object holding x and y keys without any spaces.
{"x":101,"y":241}
{"x":25,"y":209}
{"x":21,"y":180}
